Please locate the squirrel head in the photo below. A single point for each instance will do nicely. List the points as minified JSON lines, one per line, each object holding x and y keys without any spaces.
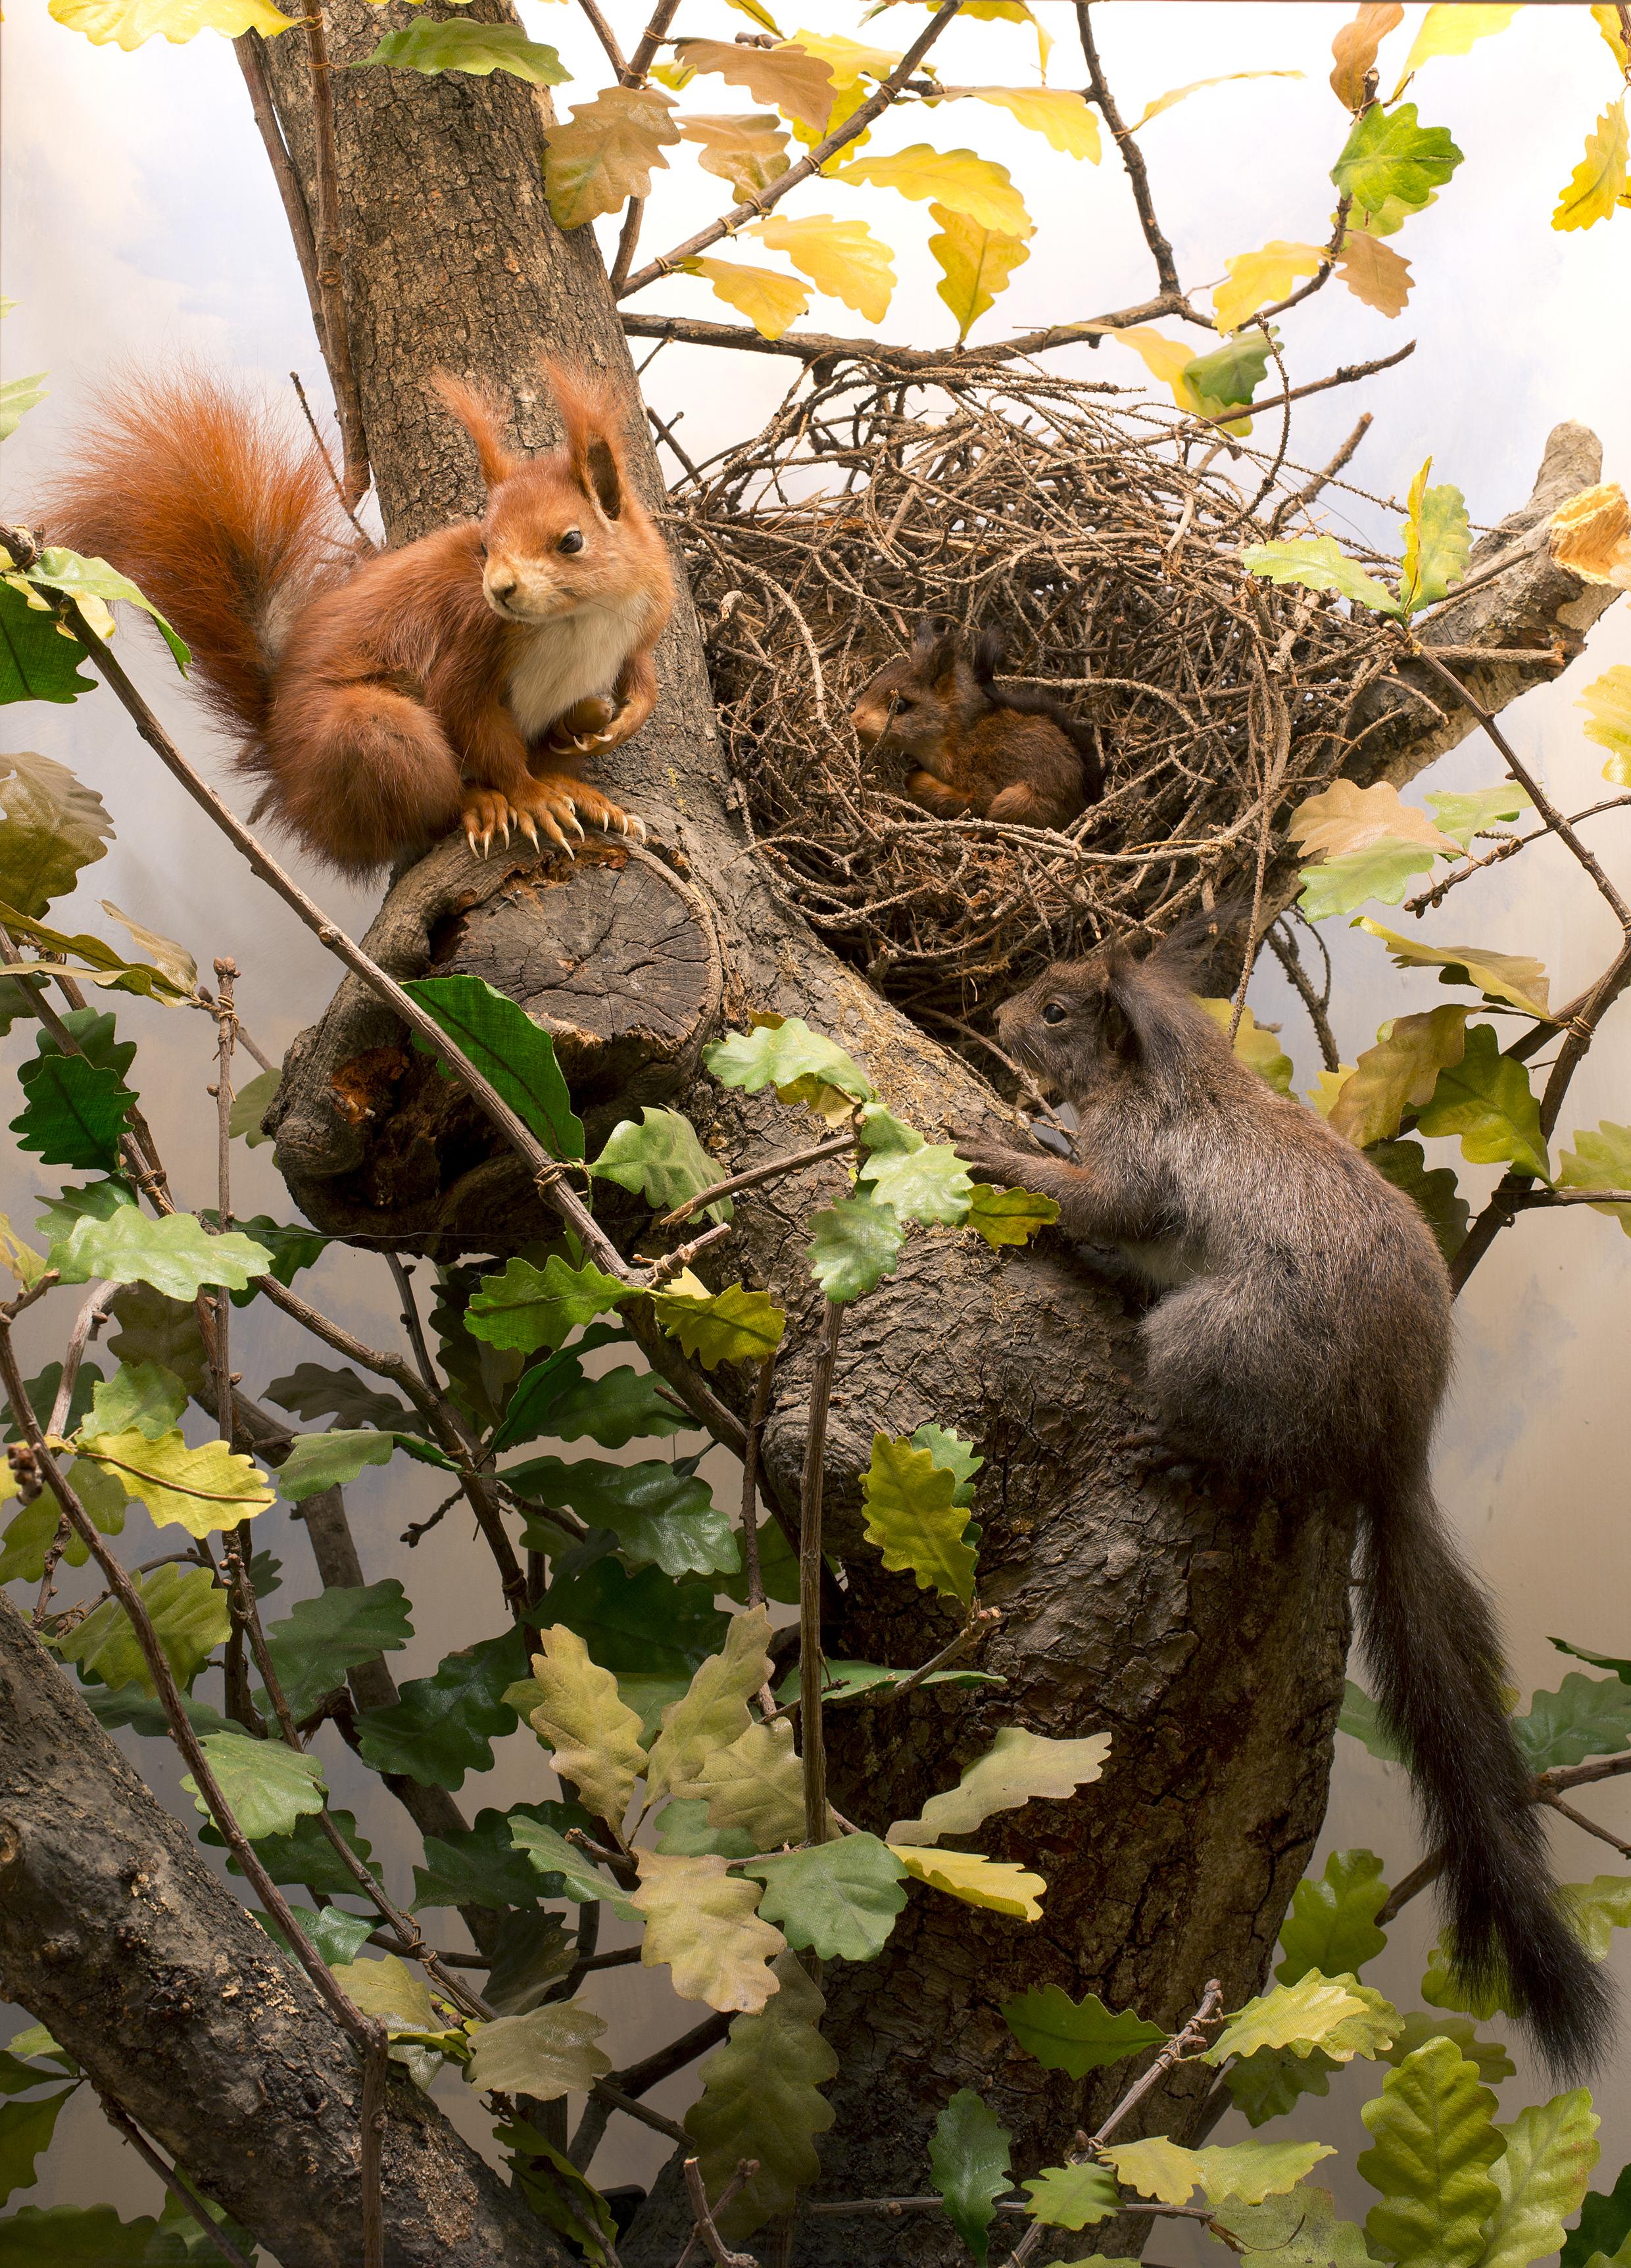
{"x":1120,"y":1016}
{"x":561,"y":531}
{"x":927,"y":696}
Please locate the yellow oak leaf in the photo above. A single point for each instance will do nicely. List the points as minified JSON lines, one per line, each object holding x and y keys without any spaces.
{"x":769,"y":299}
{"x":128,"y":23}
{"x":1257,"y":278}
{"x":842,"y":258}
{"x":975,"y":264}
{"x":1598,"y":181}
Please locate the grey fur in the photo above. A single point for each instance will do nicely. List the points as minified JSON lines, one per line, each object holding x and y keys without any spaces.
{"x":1303,"y":1344}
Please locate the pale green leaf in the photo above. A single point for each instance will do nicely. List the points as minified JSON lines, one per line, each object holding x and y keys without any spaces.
{"x":662,"y":1160}
{"x":1391,"y":155}
{"x":1316,"y":2011}
{"x":1400,"y":1073}
{"x":53,"y":826}
{"x":143,"y":1398}
{"x":546,"y":2054}
{"x":1437,"y":539}
{"x":1600,"y":1160}
{"x":1607,"y":702}
{"x":551,"y":1853}
{"x":930,"y":1184}
{"x":783,"y":1053}
{"x":1514,"y":977}
{"x":1244,"y":2172}
{"x":250,"y":1105}
{"x":1319,"y":563}
{"x":854,"y":1245}
{"x":97,"y":1231}
{"x":189,"y":1612}
{"x":1333,"y":1923}
{"x":1300,"y":2230}
{"x":526,"y":1307}
{"x":444,"y":44}
{"x":387,"y":1989}
{"x":1018,"y":1768}
{"x":200,"y":1489}
{"x":1550,"y":2148}
{"x":1073,"y":2197}
{"x":714,"y":1711}
{"x":703,"y":1923}
{"x":594,"y":1736}
{"x":735,"y":1325}
{"x":1009,"y":1215}
{"x":755,"y":1782}
{"x":1464,"y":816}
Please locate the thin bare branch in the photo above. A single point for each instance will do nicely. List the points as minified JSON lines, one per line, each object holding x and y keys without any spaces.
{"x":793,"y":1163}
{"x":812,"y":1665}
{"x":1133,"y":159}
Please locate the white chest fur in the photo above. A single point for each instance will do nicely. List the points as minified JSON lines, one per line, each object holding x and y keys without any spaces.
{"x":567,"y":660}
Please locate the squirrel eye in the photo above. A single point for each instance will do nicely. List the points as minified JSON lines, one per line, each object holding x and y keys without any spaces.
{"x":1053,"y":1013}
{"x":573,"y":541}
{"x":481,"y":551}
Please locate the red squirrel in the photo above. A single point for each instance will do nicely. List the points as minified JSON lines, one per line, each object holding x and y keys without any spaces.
{"x":1015,"y":755}
{"x":387,"y":701}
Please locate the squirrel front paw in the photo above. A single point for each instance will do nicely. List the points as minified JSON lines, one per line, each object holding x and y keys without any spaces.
{"x":991,"y":1160}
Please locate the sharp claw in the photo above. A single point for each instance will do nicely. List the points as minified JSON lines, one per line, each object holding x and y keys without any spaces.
{"x":504,"y":834}
{"x":486,"y":841}
{"x":469,"y":836}
{"x":524,"y":823}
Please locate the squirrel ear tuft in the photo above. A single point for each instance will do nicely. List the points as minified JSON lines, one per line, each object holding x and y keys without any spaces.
{"x":592,"y":427}
{"x":989,"y":648}
{"x":482,"y":419}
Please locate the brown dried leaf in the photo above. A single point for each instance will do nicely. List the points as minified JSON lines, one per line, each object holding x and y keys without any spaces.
{"x":749,"y":150}
{"x":1399,"y":1073}
{"x":1354,"y":49}
{"x":799,"y":85}
{"x":1374,"y":273}
{"x":1344,"y":817}
{"x":604,"y":155}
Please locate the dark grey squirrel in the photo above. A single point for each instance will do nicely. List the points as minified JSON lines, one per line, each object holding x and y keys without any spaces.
{"x":1303,"y":1344}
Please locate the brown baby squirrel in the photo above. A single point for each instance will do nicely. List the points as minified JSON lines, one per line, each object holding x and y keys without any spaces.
{"x":389,"y":699}
{"x":1304,"y":1343}
{"x":1016,"y":755}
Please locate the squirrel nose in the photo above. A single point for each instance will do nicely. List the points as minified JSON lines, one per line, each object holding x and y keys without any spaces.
{"x":501,"y":586}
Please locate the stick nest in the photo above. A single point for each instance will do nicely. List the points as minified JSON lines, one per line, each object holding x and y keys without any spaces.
{"x":1105,"y":541}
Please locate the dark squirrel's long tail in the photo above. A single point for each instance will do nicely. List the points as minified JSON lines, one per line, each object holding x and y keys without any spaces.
{"x":1435,"y":1658}
{"x":205,"y":499}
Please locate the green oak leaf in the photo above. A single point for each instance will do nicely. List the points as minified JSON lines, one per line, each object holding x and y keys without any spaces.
{"x":755,"y":1783}
{"x":267,"y":1786}
{"x":305,"y":1855}
{"x":187,"y":1610}
{"x":928,"y":1183}
{"x":97,"y":1231}
{"x":1230,"y":376}
{"x":912,"y":1515}
{"x":1333,"y":1923}
{"x":1488,"y":1100}
{"x":783,"y":1052}
{"x":1383,"y":872}
{"x":1464,"y":816}
{"x":970,"y":2162}
{"x":71,"y":575}
{"x":38,"y":662}
{"x":1437,"y":539}
{"x":52,"y":828}
{"x":1600,"y":1160}
{"x":1319,"y":563}
{"x":1335,"y":2013}
{"x":530,"y":1408}
{"x":547,"y":2053}
{"x":76,"y":1115}
{"x":1299,"y":2230}
{"x":660,"y":1160}
{"x":837,"y":1900}
{"x":1391,"y":155}
{"x":77,"y":2236}
{"x":659,"y":1516}
{"x":250,"y":1104}
{"x":315,"y":1389}
{"x":641,"y":1624}
{"x":482,"y":1865}
{"x":1009,"y":1215}
{"x":444,"y":1726}
{"x":526,"y":1308}
{"x":1434,"y":2142}
{"x":514,"y":1054}
{"x":1550,"y":2148}
{"x":1076,"y":2036}
{"x":1585,"y":1717}
{"x":1444,"y":1209}
{"x":760,"y":2099}
{"x":25,"y":2130}
{"x":559,"y":1861}
{"x":1515,"y":977}
{"x":1604,"y":2227}
{"x":324,"y":1461}
{"x":143,"y":1398}
{"x":1018,"y":1768}
{"x":1073,"y":2197}
{"x":735,"y":1325}
{"x":321,"y":1639}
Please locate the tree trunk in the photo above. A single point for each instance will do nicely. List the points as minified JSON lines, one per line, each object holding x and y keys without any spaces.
{"x":1210,"y":1642}
{"x":115,"y":1935}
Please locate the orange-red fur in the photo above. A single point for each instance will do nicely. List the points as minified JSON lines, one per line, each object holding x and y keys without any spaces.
{"x":387,"y":702}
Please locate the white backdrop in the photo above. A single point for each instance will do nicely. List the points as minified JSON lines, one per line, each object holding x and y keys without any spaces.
{"x":140,"y":221}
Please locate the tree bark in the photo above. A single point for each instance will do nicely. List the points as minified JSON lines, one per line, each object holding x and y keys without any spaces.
{"x":114,"y":1934}
{"x":1209,"y":1641}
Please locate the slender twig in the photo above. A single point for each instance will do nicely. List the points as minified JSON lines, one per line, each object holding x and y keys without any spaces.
{"x":1349,"y":374}
{"x":606,"y":37}
{"x":92,"y":1315}
{"x":712,"y":2243}
{"x":650,"y":39}
{"x":1133,"y":159}
{"x":981,"y":1619}
{"x":606,"y":2091}
{"x":1284,"y":950}
{"x":338,"y":486}
{"x":823,"y":346}
{"x":1183,"y":2043}
{"x":652,"y":2070}
{"x":664,"y":429}
{"x":855,"y":124}
{"x":793,"y":1163}
{"x":251,"y":51}
{"x":119,"y":2120}
{"x":226,"y":973}
{"x":750,"y":1487}
{"x":1584,"y":1775}
{"x":330,"y":243}
{"x":628,"y":237}
{"x":812,"y":1668}
{"x":1578,"y":1818}
{"x":402,"y":1275}
{"x":1303,"y":496}
{"x":1420,"y":1877}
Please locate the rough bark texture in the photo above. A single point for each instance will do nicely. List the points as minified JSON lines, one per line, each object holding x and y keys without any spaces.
{"x":115,"y":1935}
{"x":1210,"y":1642}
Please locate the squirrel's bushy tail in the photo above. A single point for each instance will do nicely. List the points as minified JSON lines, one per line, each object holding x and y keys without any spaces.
{"x":1436,"y":1661}
{"x":203,"y":497}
